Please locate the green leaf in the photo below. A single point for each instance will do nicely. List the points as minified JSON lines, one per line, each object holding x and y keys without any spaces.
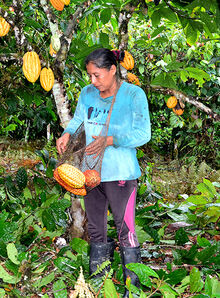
{"x":8,"y":231}
{"x":27,"y":193}
{"x":105,"y":15}
{"x":191,"y":35}
{"x":3,"y":250}
{"x":48,"y":220}
{"x":44,"y":281}
{"x":181,"y":237}
{"x":143,"y":272}
{"x":155,"y":18}
{"x":176,"y":276}
{"x":197,"y":200}
{"x":7,"y":277}
{"x":196,"y":283}
{"x":157,"y":31}
{"x":176,"y":121}
{"x":66,"y":265}
{"x":197,"y":74}
{"x":184,"y":75}
{"x":30,"y":22}
{"x":104,"y":39}
{"x":174,"y":65}
{"x":164,"y":80}
{"x":168,"y":14}
{"x":208,"y":286}
{"x":203,"y":241}
{"x":212,"y":286}
{"x":210,"y":187}
{"x":21,"y":178}
{"x":142,"y":189}
{"x":59,"y":289}
{"x":12,"y":253}
{"x":79,"y":245}
{"x":167,"y":291}
{"x":205,"y":254}
{"x":109,"y":289}
{"x":142,"y":235}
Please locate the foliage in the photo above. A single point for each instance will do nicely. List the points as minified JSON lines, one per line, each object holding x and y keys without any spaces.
{"x":180,"y":247}
{"x":174,"y":45}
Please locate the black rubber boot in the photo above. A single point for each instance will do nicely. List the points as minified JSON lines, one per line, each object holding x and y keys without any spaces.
{"x":130,"y":255}
{"x":99,"y":253}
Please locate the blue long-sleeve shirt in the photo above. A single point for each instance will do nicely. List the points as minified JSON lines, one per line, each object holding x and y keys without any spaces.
{"x":129,"y":126}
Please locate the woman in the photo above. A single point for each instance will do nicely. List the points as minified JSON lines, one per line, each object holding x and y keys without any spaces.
{"x":129,"y":127}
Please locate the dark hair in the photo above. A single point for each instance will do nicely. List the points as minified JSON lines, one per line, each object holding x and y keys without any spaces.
{"x":104,"y":58}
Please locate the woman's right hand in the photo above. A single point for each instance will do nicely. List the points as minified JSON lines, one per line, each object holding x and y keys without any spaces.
{"x":62,"y":143}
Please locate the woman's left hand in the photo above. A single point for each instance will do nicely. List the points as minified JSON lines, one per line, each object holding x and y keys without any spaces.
{"x":98,"y":145}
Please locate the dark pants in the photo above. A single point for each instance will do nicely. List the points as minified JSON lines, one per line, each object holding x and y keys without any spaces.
{"x":121,"y":196}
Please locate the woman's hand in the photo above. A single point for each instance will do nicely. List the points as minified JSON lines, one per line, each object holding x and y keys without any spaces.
{"x":62,"y":143}
{"x":97,"y":146}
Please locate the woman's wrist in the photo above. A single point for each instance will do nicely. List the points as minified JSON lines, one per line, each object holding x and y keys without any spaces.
{"x":110,"y":141}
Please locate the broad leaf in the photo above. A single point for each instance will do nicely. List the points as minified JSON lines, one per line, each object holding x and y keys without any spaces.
{"x":109,"y":289}
{"x":196,"y":283}
{"x":12,"y":253}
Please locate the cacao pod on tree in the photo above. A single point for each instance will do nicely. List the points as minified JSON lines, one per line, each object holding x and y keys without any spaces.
{"x":55,"y":42}
{"x":31,"y":66}
{"x":4,"y":27}
{"x":52,"y":52}
{"x":132,"y":78}
{"x":47,"y":78}
{"x":66,"y":2}
{"x":128,"y":61}
{"x":178,"y":111}
{"x":76,"y":191}
{"x":171,"y":102}
{"x":92,"y":178}
{"x":71,"y":175}
{"x":57,"y":4}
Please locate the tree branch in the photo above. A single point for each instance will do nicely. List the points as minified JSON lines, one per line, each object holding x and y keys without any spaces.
{"x":187,"y":98}
{"x":179,"y":12}
{"x":10,"y":56}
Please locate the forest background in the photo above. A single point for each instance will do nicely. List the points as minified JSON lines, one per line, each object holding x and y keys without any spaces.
{"x":43,"y":241}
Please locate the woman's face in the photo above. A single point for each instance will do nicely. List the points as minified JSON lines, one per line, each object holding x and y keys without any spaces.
{"x":102,"y":78}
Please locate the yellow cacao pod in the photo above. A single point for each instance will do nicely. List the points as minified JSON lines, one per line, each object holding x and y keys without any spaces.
{"x":47,"y":78}
{"x":66,"y":2}
{"x":171,"y":102}
{"x":178,"y":112}
{"x":132,"y":78}
{"x":128,"y":61}
{"x":71,"y":175}
{"x":4,"y":27}
{"x":57,"y":4}
{"x":52,"y":52}
{"x":31,"y":66}
{"x":76,"y":191}
{"x":55,"y":42}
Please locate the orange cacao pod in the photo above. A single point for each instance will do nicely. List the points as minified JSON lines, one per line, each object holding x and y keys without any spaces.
{"x":47,"y":78}
{"x":52,"y":52}
{"x":171,"y":102}
{"x":132,"y":78}
{"x":31,"y":66}
{"x":57,"y":4}
{"x":92,"y":178}
{"x":4,"y":27}
{"x":128,"y":61}
{"x":178,"y":112}
{"x":75,"y":191}
{"x":71,"y":175}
